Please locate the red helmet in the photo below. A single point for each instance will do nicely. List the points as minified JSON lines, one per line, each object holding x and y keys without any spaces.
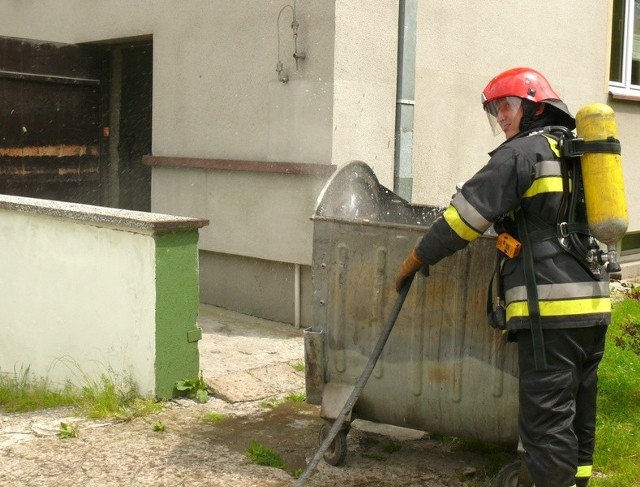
{"x":524,"y":83}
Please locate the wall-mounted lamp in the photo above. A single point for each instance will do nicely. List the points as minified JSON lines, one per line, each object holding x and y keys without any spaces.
{"x":297,"y":55}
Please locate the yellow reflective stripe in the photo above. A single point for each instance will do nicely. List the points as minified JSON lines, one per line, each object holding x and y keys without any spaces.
{"x":545,"y":185}
{"x":553,"y":144}
{"x":464,"y":231}
{"x":584,"y":471}
{"x":562,"y":308}
{"x":470,"y":215}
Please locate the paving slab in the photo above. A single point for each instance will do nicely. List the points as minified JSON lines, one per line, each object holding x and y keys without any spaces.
{"x":245,"y":358}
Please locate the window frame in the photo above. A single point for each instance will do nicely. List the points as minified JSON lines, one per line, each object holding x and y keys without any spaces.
{"x":625,"y":89}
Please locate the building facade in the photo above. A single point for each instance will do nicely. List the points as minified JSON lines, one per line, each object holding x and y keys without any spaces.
{"x":239,"y":112}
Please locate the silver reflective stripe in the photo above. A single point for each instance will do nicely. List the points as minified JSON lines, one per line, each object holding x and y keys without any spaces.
{"x":469,"y":214}
{"x":547,"y":168}
{"x":547,"y":292}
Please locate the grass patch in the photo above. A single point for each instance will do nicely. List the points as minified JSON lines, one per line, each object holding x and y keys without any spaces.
{"x":20,"y":392}
{"x":105,"y":399}
{"x":617,"y":436}
{"x":99,"y":399}
{"x":261,"y":455}
{"x":294,"y":397}
{"x":270,"y":403}
{"x":213,"y":417}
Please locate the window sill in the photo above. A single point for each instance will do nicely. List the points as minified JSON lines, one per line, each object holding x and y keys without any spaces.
{"x":624,"y":94}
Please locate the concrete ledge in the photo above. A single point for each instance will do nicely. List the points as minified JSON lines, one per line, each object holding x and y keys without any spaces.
{"x":630,"y":270}
{"x":135,"y":221}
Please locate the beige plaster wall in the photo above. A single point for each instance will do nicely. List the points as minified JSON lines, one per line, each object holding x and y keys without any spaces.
{"x":460,"y":49}
{"x":366,"y":49}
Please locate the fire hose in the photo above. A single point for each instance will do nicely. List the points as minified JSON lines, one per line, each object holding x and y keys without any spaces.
{"x":359,"y":385}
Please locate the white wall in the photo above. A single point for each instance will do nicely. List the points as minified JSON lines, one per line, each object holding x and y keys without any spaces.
{"x":89,"y":292}
{"x":77,"y":300}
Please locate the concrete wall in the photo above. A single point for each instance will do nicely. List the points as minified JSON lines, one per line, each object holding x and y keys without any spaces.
{"x":89,"y":291}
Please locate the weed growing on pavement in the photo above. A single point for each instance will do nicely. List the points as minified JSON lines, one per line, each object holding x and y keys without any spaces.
{"x":159,"y":427}
{"x":298,"y":367}
{"x":294,"y":397}
{"x":270,"y":403}
{"x":67,"y":431}
{"x":105,"y":399}
{"x":213,"y":417}
{"x":261,"y":455}
{"x":194,"y":389}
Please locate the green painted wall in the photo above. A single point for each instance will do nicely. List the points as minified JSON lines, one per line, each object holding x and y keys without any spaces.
{"x":177,"y":302}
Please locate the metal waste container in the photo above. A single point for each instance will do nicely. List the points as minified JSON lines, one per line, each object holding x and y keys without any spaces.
{"x":443,"y":370}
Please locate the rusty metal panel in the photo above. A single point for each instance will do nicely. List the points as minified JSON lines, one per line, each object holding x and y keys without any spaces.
{"x":443,"y":369}
{"x":50,"y":102}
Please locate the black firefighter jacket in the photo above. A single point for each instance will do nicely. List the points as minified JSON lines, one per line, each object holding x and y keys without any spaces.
{"x":523,"y":174}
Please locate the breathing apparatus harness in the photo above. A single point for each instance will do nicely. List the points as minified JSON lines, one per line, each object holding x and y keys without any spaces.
{"x":572,"y":230}
{"x":570,"y":234}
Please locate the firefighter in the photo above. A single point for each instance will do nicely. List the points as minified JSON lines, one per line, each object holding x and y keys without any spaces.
{"x":556,"y":307}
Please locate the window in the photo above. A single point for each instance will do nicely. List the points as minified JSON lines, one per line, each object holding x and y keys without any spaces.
{"x":625,"y":48}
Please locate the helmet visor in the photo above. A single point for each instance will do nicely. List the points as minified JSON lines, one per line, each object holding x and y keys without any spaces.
{"x":501,"y":110}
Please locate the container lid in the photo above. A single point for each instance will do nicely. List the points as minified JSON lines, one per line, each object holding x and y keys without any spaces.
{"x":353,"y":193}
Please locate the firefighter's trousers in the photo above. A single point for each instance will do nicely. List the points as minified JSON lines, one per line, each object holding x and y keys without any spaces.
{"x":557,"y":414}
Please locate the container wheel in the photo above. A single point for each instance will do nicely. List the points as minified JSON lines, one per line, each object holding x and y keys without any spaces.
{"x":508,"y":475}
{"x":336,"y":454}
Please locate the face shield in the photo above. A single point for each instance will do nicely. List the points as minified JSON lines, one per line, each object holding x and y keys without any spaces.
{"x":502,"y":111}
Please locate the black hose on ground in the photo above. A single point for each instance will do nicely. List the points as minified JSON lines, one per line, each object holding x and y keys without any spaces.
{"x":359,"y":386}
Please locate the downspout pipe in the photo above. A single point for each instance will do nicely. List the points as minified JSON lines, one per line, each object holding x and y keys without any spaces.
{"x":296,"y":297}
{"x":405,"y":98}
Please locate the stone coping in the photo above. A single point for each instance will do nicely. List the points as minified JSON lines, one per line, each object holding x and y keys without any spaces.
{"x":135,"y":221}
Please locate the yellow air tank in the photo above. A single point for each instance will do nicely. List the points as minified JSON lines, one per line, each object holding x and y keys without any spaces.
{"x":602,"y":175}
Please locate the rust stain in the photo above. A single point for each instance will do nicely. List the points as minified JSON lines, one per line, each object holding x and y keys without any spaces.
{"x":438,"y":375}
{"x":50,"y":151}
